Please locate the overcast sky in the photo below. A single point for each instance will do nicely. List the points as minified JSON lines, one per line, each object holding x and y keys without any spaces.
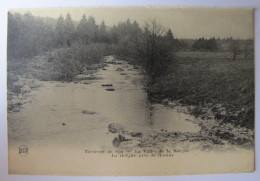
{"x":184,"y":22}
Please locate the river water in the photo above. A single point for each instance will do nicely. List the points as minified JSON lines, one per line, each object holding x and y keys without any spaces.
{"x":69,"y":112}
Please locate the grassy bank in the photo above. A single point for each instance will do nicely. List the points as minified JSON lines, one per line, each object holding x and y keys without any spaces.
{"x":221,"y":85}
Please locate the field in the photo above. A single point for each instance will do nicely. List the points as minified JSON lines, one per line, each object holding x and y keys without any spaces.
{"x":214,"y":83}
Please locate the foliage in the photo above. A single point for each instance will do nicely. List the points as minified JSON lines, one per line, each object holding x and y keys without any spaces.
{"x":28,"y":35}
{"x":78,"y":46}
{"x":73,"y":60}
{"x":151,"y":46}
{"x":159,"y":51}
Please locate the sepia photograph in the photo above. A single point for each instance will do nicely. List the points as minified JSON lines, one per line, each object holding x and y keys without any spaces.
{"x":130,"y":91}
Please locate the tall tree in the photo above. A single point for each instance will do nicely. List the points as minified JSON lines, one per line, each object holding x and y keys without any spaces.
{"x":92,"y":28}
{"x":13,"y":35}
{"x":69,"y":30}
{"x":60,"y":31}
{"x":169,"y":34}
{"x":153,"y":34}
{"x":81,"y":29}
{"x":103,"y":36}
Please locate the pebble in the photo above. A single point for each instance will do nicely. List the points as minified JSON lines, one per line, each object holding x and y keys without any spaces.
{"x":110,"y":89}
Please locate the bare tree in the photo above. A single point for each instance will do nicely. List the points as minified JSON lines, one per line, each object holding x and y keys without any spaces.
{"x":154,"y":28}
{"x":154,"y":32}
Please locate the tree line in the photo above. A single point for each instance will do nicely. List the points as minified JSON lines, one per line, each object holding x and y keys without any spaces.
{"x":203,"y":44}
{"x":29,"y":35}
{"x":78,"y":44}
{"x":84,"y":42}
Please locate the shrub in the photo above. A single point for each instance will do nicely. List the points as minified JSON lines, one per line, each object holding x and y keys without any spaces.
{"x":75,"y":59}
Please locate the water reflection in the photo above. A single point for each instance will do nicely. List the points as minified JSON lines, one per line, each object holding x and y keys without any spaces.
{"x":132,"y":106}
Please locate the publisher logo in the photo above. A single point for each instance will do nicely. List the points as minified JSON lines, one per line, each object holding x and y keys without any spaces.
{"x":23,"y":150}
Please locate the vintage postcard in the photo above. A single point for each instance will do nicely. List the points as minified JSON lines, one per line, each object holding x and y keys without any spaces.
{"x":130,"y":91}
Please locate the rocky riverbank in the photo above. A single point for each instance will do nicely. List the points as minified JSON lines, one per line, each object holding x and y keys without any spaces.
{"x":212,"y":136}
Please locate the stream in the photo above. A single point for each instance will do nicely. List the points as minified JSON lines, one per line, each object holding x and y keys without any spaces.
{"x":73,"y":113}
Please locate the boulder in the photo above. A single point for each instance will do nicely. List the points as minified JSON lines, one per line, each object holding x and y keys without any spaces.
{"x":107,"y":85}
{"x":110,"y":89}
{"x":119,"y":69}
{"x":117,"y":140}
{"x":88,"y":112}
{"x":136,"y":134}
{"x":115,"y":128}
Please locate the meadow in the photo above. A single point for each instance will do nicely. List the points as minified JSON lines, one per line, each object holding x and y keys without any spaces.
{"x":211,"y":81}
